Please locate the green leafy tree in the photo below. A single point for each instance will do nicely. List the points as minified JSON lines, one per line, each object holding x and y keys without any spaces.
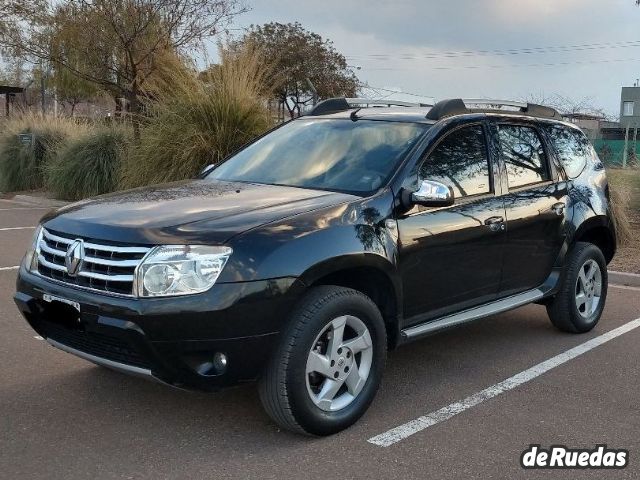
{"x":71,"y":89}
{"x":307,"y":66}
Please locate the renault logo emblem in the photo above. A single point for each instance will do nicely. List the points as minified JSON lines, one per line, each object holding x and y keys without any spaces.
{"x":74,"y":257}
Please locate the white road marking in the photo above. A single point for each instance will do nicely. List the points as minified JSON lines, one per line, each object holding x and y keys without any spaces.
{"x":402,"y":432}
{"x":14,"y":202}
{"x":624,"y":287}
{"x":16,"y":228}
{"x":24,"y":208}
{"x":9,"y":268}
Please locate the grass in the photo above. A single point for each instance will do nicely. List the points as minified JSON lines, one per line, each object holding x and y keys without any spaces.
{"x":199,"y":119}
{"x":89,"y":165}
{"x":22,"y":164}
{"x":625,"y":193}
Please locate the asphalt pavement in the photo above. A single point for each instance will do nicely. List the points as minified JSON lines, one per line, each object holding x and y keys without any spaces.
{"x":64,"y":418}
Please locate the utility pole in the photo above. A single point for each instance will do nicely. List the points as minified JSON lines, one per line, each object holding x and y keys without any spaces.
{"x":625,"y":152}
{"x":634,"y":148}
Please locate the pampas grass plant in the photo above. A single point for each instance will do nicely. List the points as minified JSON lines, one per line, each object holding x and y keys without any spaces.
{"x":198,"y":119}
{"x":89,"y":165}
{"x":22,"y":164}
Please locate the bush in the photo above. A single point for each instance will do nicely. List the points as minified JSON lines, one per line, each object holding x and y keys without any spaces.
{"x":22,"y":165}
{"x":200,"y":119}
{"x":89,"y":165}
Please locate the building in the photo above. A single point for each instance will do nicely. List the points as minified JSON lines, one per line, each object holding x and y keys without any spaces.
{"x":9,"y":93}
{"x":630,"y":107}
{"x":590,"y":123}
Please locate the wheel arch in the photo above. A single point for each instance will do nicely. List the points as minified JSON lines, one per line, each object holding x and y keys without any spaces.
{"x":598,"y":231}
{"x":370,"y":274}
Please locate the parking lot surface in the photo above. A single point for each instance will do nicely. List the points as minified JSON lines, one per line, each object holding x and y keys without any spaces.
{"x":61,"y":417}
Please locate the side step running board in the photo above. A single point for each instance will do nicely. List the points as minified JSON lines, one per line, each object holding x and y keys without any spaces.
{"x":476,"y":313}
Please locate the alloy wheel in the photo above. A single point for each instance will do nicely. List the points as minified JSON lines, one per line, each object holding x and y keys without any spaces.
{"x":588,"y":288}
{"x":339,"y":363}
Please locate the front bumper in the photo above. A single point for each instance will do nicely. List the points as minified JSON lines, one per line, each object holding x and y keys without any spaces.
{"x":172,"y":340}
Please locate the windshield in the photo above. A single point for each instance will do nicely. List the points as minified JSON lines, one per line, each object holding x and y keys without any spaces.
{"x":340,"y":155}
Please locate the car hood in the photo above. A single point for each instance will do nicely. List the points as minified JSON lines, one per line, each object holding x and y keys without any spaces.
{"x":194,"y":211}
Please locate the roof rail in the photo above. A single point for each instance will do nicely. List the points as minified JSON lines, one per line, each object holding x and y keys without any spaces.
{"x":334,"y":105}
{"x":459,"y":106}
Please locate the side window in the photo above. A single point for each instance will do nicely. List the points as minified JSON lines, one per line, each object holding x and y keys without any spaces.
{"x":523,"y":155}
{"x":461,"y":162}
{"x":573,"y":149}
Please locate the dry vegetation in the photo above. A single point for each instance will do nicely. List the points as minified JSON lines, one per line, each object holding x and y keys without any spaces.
{"x":201,"y":119}
{"x":21,"y":164}
{"x":90,"y":165}
{"x":192,"y":120}
{"x":625,"y":192}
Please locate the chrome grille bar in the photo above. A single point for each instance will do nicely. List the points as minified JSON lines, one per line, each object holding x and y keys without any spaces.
{"x":99,"y":276}
{"x":95,"y":246}
{"x":89,"y":259}
{"x":106,"y":268}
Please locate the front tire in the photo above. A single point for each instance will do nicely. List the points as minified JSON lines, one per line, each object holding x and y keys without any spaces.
{"x":327,"y":369}
{"x":579,"y":304}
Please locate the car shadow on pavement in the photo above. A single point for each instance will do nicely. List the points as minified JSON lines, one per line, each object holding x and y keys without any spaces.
{"x":422,"y":376}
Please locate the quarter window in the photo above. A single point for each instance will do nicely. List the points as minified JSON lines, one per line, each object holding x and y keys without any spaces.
{"x":572,"y":147}
{"x":523,"y":155}
{"x":461,"y":162}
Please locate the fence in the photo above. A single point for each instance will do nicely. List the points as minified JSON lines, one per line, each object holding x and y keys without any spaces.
{"x":611,"y":152}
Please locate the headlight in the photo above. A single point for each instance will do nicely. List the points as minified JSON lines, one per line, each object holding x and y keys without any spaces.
{"x":30,"y":261}
{"x":180,"y":270}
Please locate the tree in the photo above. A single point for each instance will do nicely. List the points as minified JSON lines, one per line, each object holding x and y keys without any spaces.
{"x":567,"y":105}
{"x":307,"y":65}
{"x":13,"y":71}
{"x":71,"y":89}
{"x":114,"y":44}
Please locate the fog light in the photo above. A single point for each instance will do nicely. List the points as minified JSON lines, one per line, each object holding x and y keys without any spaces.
{"x":220,"y":362}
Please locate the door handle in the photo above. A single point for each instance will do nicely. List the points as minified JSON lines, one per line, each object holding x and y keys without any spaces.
{"x":558,"y":208}
{"x":495,"y":223}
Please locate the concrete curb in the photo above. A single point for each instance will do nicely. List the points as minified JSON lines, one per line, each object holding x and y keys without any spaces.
{"x":622,"y":278}
{"x":39,"y":201}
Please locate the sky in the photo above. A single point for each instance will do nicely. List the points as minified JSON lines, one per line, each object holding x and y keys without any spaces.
{"x":504,"y":49}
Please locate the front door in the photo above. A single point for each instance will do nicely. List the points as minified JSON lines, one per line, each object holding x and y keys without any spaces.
{"x":451,"y":258}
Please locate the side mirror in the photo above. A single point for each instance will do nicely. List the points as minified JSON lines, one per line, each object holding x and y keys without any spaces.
{"x":206,"y":170}
{"x":433,"y":194}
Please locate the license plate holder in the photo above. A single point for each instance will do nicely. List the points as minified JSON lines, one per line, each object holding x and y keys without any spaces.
{"x":52,"y":298}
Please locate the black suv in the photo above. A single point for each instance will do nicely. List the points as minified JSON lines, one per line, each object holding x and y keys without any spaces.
{"x":303,"y":257}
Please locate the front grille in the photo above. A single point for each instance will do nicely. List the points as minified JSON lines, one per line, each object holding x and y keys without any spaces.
{"x":96,"y":344}
{"x":106,"y":268}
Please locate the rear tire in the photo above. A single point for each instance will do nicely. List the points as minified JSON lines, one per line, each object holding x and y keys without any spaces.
{"x":578,"y":306}
{"x":328,"y":366}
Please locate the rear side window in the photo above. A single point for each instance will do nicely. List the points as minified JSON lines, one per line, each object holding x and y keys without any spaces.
{"x":460,"y":161}
{"x":523,"y":155}
{"x":572,"y":147}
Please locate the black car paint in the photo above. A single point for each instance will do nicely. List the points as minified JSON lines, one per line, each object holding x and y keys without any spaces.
{"x":287,"y":239}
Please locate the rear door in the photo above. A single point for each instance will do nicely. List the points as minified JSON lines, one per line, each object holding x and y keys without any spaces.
{"x":534,"y":202}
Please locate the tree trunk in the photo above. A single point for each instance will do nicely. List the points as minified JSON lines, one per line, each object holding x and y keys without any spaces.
{"x":285,"y":103}
{"x":135,"y":109}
